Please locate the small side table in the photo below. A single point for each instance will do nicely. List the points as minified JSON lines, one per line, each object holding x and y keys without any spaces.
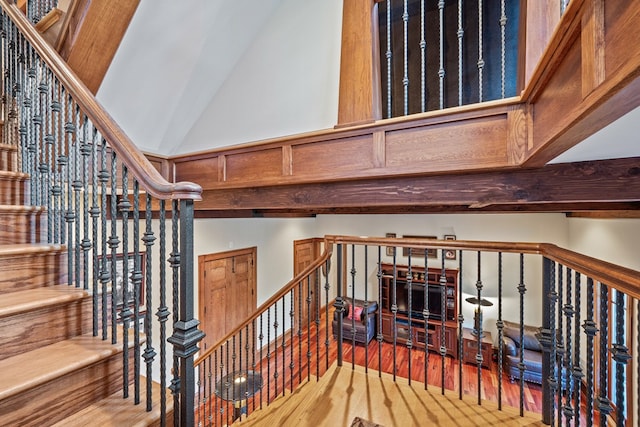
{"x":470,"y":348}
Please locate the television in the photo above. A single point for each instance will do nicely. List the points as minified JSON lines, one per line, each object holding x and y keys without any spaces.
{"x":417,"y":300}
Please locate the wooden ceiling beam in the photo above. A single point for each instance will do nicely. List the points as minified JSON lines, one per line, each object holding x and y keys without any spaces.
{"x":604,"y":184}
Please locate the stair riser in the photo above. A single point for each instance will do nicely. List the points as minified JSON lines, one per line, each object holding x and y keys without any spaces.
{"x":22,"y":227}
{"x":13,"y":191}
{"x":51,"y":402}
{"x":8,"y":160}
{"x":27,"y":331}
{"x":32,"y":271}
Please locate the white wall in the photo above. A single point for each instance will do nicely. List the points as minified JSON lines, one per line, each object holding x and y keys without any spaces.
{"x":198,"y":74}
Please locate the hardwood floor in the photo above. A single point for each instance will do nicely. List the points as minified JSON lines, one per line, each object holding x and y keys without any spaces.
{"x":301,"y":358}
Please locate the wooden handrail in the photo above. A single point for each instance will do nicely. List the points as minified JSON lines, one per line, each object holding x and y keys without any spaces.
{"x":621,"y":278}
{"x":150,"y":179}
{"x":268,"y":303}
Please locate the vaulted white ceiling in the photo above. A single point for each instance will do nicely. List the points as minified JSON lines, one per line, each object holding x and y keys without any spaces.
{"x":199,"y":74}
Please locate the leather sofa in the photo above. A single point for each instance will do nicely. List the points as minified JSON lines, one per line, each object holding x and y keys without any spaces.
{"x":364,"y":322}
{"x":530,"y":347}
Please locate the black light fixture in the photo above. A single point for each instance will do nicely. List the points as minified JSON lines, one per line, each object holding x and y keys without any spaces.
{"x":477,"y":315}
{"x":237,"y":387}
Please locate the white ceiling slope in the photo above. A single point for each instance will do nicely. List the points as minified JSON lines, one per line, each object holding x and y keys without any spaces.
{"x":198,"y":74}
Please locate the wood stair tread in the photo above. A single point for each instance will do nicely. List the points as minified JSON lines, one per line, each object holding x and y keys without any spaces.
{"x":8,"y":147}
{"x":21,"y":208}
{"x":30,"y":249}
{"x":115,"y":411}
{"x":32,"y":299}
{"x":52,"y":361}
{"x":14,"y":175}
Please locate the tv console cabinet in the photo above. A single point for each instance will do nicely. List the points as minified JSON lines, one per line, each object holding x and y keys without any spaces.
{"x":409,"y":320}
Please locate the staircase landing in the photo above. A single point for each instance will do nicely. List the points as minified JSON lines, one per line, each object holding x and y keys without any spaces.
{"x":344,"y":393}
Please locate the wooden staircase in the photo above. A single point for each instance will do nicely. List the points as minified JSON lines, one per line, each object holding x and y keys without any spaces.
{"x":53,"y":369}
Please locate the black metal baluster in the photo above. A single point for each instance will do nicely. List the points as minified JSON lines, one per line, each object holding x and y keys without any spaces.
{"x":479,"y":287}
{"x":339,"y":303}
{"x":405,"y":78}
{"x":292,"y":322}
{"x":317,"y":294}
{"x":163,"y":311}
{"x":522,"y":291}
{"x":425,"y":316}
{"x":125,"y":310}
{"x":423,"y":60}
{"x":590,"y":331}
{"x":308,"y":301}
{"x":261,"y":338}
{"x":409,"y":343}
{"x":105,"y":270}
{"x":176,"y":386}
{"x":620,"y":354}
{"x":300,"y":287}
{"x":284,"y":346}
{"x":276,"y":375}
{"x":560,"y":349}
{"x":389,"y":55}
{"x":95,"y":214}
{"x":352,"y":306}
{"x":113,"y":245}
{"x":394,"y":312}
{"x":577,"y":369}
{"x":76,"y":185}
{"x":136,"y":280}
{"x":85,"y":153}
{"x":567,"y":367}
{"x":548,"y":340}
{"x":327,"y":288}
{"x":480,"y":51}
{"x":604,"y":404}
{"x":379,"y":336}
{"x":149,"y":352}
{"x":500,"y":326}
{"x":441,"y":71}
{"x":460,"y":323}
{"x":366,"y":310}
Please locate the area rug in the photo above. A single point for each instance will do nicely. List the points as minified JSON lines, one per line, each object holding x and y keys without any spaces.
{"x":359,"y":422}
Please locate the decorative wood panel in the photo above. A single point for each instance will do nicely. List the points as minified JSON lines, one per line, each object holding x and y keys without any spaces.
{"x":320,"y":159}
{"x":204,"y":171}
{"x":254,"y":165}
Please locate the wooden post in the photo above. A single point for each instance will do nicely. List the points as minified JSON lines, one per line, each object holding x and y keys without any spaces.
{"x":359,"y":99}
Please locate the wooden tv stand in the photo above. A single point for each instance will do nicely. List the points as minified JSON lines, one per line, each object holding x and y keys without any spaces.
{"x":423,"y":333}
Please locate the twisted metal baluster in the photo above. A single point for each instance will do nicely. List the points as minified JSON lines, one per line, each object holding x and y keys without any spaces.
{"x":268,"y":358}
{"x":136,"y":280}
{"x":479,"y":358}
{"x":405,"y":78}
{"x":113,"y":245}
{"x":460,"y":40}
{"x":621,"y":356}
{"x":366,"y":313}
{"x":394,"y":312}
{"x":604,"y":404}
{"x":163,"y":311}
{"x":95,"y":215}
{"x":76,"y":185}
{"x":443,"y":304}
{"x":389,"y":56}
{"x":567,"y":367}
{"x":174,"y":263}
{"x":284,"y":336}
{"x":500,"y":326}
{"x":441,"y":71}
{"x":149,"y":352}
{"x":261,"y":341}
{"x":503,"y":26}
{"x":552,"y":380}
{"x":292,"y":322}
{"x":105,"y":271}
{"x":300,"y":287}
{"x":56,"y":189}
{"x":379,"y":336}
{"x":590,"y":331}
{"x":460,"y":322}
{"x":308,"y":326}
{"x":327,"y":288}
{"x":480,"y":51}
{"x":409,"y":343}
{"x":423,"y":60}
{"x":353,"y":300}
{"x":561,"y":343}
{"x":276,"y":375}
{"x":425,"y":316}
{"x":125,"y":312}
{"x":577,"y":369}
{"x":85,"y":245}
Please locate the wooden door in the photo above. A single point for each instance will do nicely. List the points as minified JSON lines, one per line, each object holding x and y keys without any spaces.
{"x":226,"y":292}
{"x":304,"y":253}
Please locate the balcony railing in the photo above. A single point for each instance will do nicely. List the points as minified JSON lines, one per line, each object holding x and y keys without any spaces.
{"x":128,"y":232}
{"x":580,"y":309}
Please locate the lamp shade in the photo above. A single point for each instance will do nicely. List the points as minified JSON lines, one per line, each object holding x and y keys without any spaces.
{"x":238,"y":385}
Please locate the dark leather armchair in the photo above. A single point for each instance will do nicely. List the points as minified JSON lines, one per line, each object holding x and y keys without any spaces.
{"x":530,"y":347}
{"x":364,"y":323}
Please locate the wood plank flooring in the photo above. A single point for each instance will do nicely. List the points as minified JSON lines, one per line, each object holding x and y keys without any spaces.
{"x":344,"y":393}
